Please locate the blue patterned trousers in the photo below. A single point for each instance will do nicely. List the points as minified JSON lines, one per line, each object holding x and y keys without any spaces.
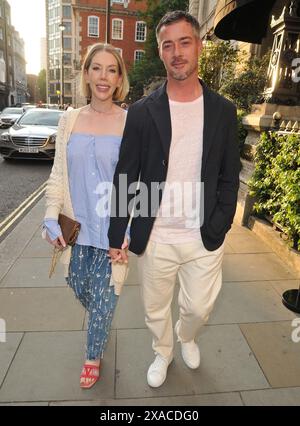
{"x":89,"y":277}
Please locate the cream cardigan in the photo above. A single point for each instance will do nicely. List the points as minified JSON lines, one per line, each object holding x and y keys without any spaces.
{"x":58,"y":198}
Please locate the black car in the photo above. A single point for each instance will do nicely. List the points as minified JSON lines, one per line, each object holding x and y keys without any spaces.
{"x":32,"y":136}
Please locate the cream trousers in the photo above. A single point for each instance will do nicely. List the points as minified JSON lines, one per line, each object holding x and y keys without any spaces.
{"x":200,"y":278}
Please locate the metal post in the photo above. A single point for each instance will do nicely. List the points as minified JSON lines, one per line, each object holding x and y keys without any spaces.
{"x":62,"y":29}
{"x":107,"y":21}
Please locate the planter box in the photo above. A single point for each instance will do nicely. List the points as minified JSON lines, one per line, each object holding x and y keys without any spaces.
{"x":270,"y":236}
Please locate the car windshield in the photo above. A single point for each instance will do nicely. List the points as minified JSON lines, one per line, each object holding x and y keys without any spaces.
{"x":40,"y":118}
{"x":12,"y":111}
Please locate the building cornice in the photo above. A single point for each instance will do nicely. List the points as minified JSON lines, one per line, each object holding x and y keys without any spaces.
{"x":103,"y":10}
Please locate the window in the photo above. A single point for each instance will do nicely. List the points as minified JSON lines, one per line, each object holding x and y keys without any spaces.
{"x":117,"y":29}
{"x":93,"y":26}
{"x":67,"y":43}
{"x":67,"y":58}
{"x":68,"y":88}
{"x":1,"y":12}
{"x":67,"y":12}
{"x":67,"y":73}
{"x":1,"y":54}
{"x":138,"y":55}
{"x":140,"y":31}
{"x":1,"y":33}
{"x":68,"y":27}
{"x":52,"y":88}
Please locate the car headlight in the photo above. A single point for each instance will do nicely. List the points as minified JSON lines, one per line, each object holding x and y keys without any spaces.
{"x":5,"y":137}
{"x":52,"y":139}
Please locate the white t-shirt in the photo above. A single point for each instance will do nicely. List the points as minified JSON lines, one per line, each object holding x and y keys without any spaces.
{"x":178,"y":220}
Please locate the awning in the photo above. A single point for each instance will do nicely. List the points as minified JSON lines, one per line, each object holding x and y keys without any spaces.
{"x":243,"y":20}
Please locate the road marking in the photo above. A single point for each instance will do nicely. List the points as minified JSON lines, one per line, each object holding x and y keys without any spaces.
{"x":26,"y":205}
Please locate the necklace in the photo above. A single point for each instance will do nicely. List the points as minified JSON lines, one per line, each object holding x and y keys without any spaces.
{"x":101,"y":112}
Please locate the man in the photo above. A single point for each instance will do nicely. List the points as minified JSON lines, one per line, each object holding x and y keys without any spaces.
{"x":181,"y":134}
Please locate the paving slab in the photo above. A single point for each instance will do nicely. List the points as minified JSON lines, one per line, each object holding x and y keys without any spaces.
{"x":248,"y":302}
{"x":13,"y":245}
{"x":37,"y":247}
{"x":244,"y":243}
{"x":228,"y":248}
{"x":7,"y":352}
{"x":47,"y":367}
{"x":129,"y":312}
{"x":4,"y":268}
{"x":238,"y":229}
{"x":253,"y":267}
{"x":227,"y":365}
{"x":275,"y":351}
{"x":281,"y":286}
{"x":35,"y":309}
{"x":33,"y":272}
{"x":133,"y":275}
{"x":225,"y":399}
{"x":272,"y":397}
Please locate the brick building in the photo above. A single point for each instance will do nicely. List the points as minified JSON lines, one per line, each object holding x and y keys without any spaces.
{"x":127,"y":31}
{"x":74,"y":25}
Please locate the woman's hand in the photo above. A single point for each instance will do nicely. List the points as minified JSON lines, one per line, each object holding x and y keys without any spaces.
{"x":58,"y":243}
{"x":119,"y":255}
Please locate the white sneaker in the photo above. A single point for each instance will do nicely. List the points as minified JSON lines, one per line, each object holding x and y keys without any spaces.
{"x":190,"y":351}
{"x":157,"y":371}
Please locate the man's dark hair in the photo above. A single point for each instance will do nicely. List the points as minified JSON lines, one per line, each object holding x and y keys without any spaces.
{"x":176,"y":16}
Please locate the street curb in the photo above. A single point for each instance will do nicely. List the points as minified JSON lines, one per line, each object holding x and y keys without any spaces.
{"x":11,"y":221}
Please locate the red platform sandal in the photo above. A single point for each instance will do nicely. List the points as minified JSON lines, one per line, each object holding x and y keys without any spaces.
{"x":88,"y":373}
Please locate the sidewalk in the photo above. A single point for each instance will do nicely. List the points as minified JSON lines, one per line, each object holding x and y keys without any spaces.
{"x":248,"y":356}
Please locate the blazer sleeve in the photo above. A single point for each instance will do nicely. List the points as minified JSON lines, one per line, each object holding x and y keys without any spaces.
{"x":228,"y":184}
{"x":126,"y":177}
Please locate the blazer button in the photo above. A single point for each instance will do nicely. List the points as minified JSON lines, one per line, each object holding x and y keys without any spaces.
{"x":164,"y":163}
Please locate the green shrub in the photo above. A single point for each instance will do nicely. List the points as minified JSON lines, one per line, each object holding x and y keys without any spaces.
{"x":276,"y":182}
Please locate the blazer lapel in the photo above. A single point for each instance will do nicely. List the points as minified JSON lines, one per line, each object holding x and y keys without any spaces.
{"x":160,"y":111}
{"x":211,"y":120}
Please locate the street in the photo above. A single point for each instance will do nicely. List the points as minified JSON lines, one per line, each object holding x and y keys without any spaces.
{"x":19,"y":179}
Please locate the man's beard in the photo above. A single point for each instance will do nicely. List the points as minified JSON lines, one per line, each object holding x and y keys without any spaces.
{"x":182,"y":75}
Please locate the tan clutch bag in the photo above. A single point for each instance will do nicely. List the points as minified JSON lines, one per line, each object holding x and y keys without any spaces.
{"x":70,"y":229}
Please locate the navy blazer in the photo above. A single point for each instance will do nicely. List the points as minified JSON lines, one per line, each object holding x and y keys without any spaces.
{"x":144,"y":153}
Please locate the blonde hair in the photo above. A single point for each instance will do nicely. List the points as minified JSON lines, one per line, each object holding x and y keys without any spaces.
{"x":122,"y":91}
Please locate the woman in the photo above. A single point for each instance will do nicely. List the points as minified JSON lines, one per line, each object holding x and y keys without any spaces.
{"x":87,"y":151}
